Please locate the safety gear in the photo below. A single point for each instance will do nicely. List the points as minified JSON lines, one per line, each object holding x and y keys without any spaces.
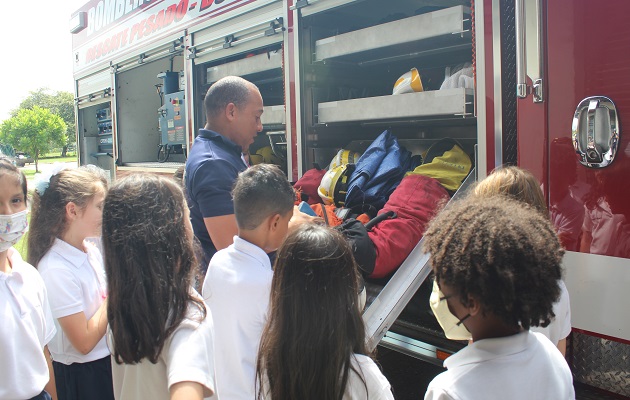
{"x":268,"y":155}
{"x":334,"y":185}
{"x":415,"y":201}
{"x":308,"y":184}
{"x":344,"y":157}
{"x":452,"y":326}
{"x":378,"y":172}
{"x":12,"y":228}
{"x":409,"y":82}
{"x":446,"y":162}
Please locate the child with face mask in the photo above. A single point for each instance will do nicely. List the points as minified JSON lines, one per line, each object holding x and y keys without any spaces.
{"x":496,"y":264}
{"x":27,"y":325}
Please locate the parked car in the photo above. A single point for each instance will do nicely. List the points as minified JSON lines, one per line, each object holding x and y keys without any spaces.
{"x":21,"y":159}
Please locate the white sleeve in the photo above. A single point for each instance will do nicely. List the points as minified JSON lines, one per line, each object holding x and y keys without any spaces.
{"x":189,"y":354}
{"x":49,"y":321}
{"x":437,"y":394}
{"x":378,"y":386}
{"x":64,"y":292}
{"x":563,"y":312}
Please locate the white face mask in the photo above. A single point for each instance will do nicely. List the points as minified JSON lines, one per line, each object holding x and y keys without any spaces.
{"x":12,"y":228}
{"x":453,"y":327}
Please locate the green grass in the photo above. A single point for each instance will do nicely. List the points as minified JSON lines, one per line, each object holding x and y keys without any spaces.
{"x":50,"y":160}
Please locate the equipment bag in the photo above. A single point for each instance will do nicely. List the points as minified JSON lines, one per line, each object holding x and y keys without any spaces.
{"x":378,"y":172}
{"x":415,"y":201}
{"x":361,"y":244}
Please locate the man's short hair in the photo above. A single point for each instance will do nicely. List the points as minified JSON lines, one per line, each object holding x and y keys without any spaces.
{"x":500,"y":251}
{"x":260,"y":192}
{"x":231,"y":89}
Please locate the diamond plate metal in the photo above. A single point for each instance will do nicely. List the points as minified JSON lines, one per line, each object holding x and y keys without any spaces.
{"x":601,"y":363}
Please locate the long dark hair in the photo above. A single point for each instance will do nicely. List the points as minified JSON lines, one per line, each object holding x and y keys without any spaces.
{"x":149,"y":260}
{"x":314,"y":324}
{"x":48,"y":211}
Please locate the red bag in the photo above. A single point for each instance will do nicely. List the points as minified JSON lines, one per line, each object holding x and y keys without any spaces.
{"x":308,"y":184}
{"x":415,"y":201}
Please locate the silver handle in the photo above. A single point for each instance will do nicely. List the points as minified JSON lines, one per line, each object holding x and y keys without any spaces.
{"x":521,"y":58}
{"x":595,"y":131}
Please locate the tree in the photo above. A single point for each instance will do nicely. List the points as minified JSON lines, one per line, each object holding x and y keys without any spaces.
{"x":59,"y":103}
{"x":36,"y":131}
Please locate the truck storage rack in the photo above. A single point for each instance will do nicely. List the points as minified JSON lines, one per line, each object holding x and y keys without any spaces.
{"x":151,"y":166}
{"x":447,"y":103}
{"x":258,"y":64}
{"x":445,"y":28}
{"x":390,"y":302}
{"x":273,"y":116}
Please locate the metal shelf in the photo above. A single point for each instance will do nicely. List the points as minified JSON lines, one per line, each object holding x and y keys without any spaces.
{"x":450,"y":103}
{"x":274,"y":115}
{"x":448,"y":27}
{"x":246,"y":66}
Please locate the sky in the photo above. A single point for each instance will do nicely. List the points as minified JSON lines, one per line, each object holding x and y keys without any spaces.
{"x":38,"y":51}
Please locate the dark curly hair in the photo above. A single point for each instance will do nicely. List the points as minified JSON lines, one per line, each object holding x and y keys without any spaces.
{"x":503,"y":253}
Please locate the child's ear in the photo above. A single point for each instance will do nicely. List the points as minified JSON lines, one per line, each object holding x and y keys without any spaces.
{"x":474,"y":306}
{"x":274,"y":221}
{"x":71,"y":210}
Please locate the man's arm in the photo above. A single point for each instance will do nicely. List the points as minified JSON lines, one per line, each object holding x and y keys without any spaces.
{"x":221,"y":230}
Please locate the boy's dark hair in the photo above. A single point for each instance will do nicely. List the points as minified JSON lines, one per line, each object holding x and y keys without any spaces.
{"x":149,"y":261}
{"x":260,"y":192}
{"x":503,"y":253}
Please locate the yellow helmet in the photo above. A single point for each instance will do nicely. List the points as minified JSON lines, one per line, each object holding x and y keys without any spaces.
{"x":344,"y":157}
{"x":267,"y":156}
{"x":408,"y":82}
{"x":334,"y":185}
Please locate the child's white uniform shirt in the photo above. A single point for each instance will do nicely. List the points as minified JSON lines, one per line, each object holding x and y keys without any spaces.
{"x":187,"y":356}
{"x":76,"y":283}
{"x":524,"y":366}
{"x":370,"y":384}
{"x":560,"y":326}
{"x":26,"y":326}
{"x":236,"y":289}
{"x":378,"y":387}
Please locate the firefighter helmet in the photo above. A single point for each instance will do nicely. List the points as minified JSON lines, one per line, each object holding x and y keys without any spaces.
{"x":334,"y":185}
{"x":344,"y":157}
{"x":265,"y":155}
{"x":409,"y":82}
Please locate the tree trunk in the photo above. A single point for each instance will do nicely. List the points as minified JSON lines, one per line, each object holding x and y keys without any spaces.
{"x":64,"y":151}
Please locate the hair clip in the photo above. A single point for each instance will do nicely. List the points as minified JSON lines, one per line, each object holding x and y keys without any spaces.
{"x":43,"y":179}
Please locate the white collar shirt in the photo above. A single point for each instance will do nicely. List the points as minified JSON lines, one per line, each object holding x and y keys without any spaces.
{"x":76,"y":282}
{"x":26,"y":327}
{"x":236,"y":289}
{"x":524,"y":366}
{"x":187,"y":356}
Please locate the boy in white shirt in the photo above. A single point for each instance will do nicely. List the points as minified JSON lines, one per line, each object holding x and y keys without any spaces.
{"x":238,"y":280}
{"x":497,"y":266}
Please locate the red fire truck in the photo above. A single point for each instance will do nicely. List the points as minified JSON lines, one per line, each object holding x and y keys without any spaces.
{"x":551,"y":94}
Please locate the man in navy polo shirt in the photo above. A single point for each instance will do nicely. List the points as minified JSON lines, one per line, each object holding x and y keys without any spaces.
{"x":233,"y":109}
